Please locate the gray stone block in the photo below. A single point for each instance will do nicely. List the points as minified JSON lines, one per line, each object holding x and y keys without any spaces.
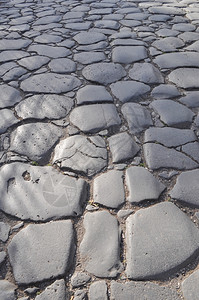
{"x":190,"y":287}
{"x":146,"y":72}
{"x":55,"y":291}
{"x":7,"y":290}
{"x":93,"y":93}
{"x":4,"y":231}
{"x":128,"y":54}
{"x":98,"y":291}
{"x":185,"y":77}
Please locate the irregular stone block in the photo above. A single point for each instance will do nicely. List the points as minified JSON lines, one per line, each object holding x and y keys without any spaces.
{"x":9,"y":96}
{"x":190,"y":287}
{"x":55,"y":291}
{"x":7,"y":290}
{"x":98,"y":291}
{"x":185,"y":77}
{"x":128,"y":54}
{"x":146,"y":72}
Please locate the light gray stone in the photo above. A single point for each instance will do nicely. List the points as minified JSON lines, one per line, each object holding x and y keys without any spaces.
{"x":128,"y":54}
{"x":193,"y":47}
{"x":99,"y":249}
{"x":146,"y":73}
{"x":98,"y":291}
{"x":192,"y":150}
{"x":166,"y":10}
{"x":14,"y":44}
{"x":191,"y":99}
{"x":107,"y":24}
{"x":86,"y":38}
{"x":164,"y":246}
{"x":95,"y":117}
{"x":108,"y":189}
{"x":82,"y":154}
{"x":185,"y":77}
{"x":104,"y":73}
{"x":12,"y":55}
{"x":142,"y":185}
{"x":33,"y":62}
{"x":42,"y":251}
{"x":50,"y":51}
{"x":50,"y":106}
{"x":130,"y":90}
{"x":89,"y":57}
{"x":62,"y":65}
{"x":78,"y":26}
{"x":92,"y":94}
{"x":137,"y":116}
{"x":4,"y":231}
{"x":47,"y":20}
{"x":50,"y":83}
{"x":79,"y":279}
{"x":124,"y":213}
{"x":141,"y":290}
{"x":165,"y":91}
{"x":168,"y":44}
{"x":35,"y":140}
{"x":47,"y":38}
{"x":7,"y":119}
{"x":7,"y":290}
{"x":190,"y":287}
{"x":14,"y":74}
{"x":39,"y":193}
{"x":9,"y":96}
{"x":179,"y":59}
{"x":122,"y":147}
{"x":55,"y":291}
{"x":80,"y":295}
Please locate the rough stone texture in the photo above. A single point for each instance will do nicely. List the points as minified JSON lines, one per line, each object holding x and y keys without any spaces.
{"x":122,"y":147}
{"x":7,"y":119}
{"x":165,"y":91}
{"x":35,"y":140}
{"x":85,"y":38}
{"x":137,"y":116}
{"x":55,"y":291}
{"x":185,"y":77}
{"x":50,"y":83}
{"x":98,"y":291}
{"x":190,"y":287}
{"x":96,"y":117}
{"x":142,"y":185}
{"x":89,"y":57}
{"x":39,"y":193}
{"x":52,"y":52}
{"x":128,"y":54}
{"x":99,"y":249}
{"x":4,"y":230}
{"x":146,"y":73}
{"x":9,"y":96}
{"x":104,"y":73}
{"x":175,"y":60}
{"x":62,"y":65}
{"x":108,"y":189}
{"x":141,"y":291}
{"x":2,"y":257}
{"x":33,"y":62}
{"x":191,"y":99}
{"x":81,"y":154}
{"x":92,"y":94}
{"x":41,"y":251}
{"x":7,"y":290}
{"x":168,"y":44}
{"x":79,"y":279}
{"x":154,"y":252}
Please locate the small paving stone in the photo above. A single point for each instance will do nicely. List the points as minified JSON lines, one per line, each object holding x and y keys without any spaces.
{"x":186,"y":188}
{"x":165,"y":91}
{"x":92,"y":94}
{"x":137,"y":116}
{"x":33,"y":62}
{"x":130,"y":90}
{"x":81,"y":154}
{"x":7,"y":119}
{"x":185,"y":77}
{"x":168,"y":44}
{"x":4,"y":231}
{"x":190,"y":288}
{"x":180,"y":59}
{"x":9,"y":96}
{"x":14,"y":74}
{"x":55,"y":291}
{"x":154,"y":252}
{"x":79,"y":278}
{"x":50,"y":106}
{"x":90,"y":57}
{"x":98,"y":291}
{"x":47,"y":20}
{"x":168,"y":175}
{"x":122,"y":147}
{"x":47,"y":38}
{"x":37,"y":257}
{"x":16,"y":44}
{"x":138,"y":290}
{"x":2,"y":257}
{"x":50,"y":83}
{"x":35,"y":140}
{"x":99,"y":249}
{"x":62,"y":65}
{"x":31,"y":290}
{"x":167,"y":111}
{"x":86,"y":38}
{"x":108,"y":189}
{"x":128,"y":54}
{"x":192,"y":150}
{"x":191,"y":99}
{"x":124,"y":213}
{"x":194,"y":46}
{"x":44,"y":193}
{"x":7,"y":290}
{"x":146,"y":72}
{"x":80,"y":295}
{"x":104,"y":73}
{"x":158,"y":156}
{"x":12,"y":55}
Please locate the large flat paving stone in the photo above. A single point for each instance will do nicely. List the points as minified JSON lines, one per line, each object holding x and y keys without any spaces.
{"x":55,"y":291}
{"x":179,"y":59}
{"x":81,"y":154}
{"x":93,"y":94}
{"x":14,"y":44}
{"x":50,"y":83}
{"x":35,"y":140}
{"x":191,"y":99}
{"x":42,"y":251}
{"x":130,"y":90}
{"x":168,"y":44}
{"x":141,"y":291}
{"x":158,"y":156}
{"x":50,"y":106}
{"x":40,"y":193}
{"x":168,"y":242}
{"x":11,"y":55}
{"x":9,"y":96}
{"x":165,"y":91}
{"x":100,"y":247}
{"x":104,"y":73}
{"x":185,"y":77}
{"x":95,"y":117}
{"x":86,"y":38}
{"x":146,"y":72}
{"x":89,"y":57}
{"x":33,"y":62}
{"x":108,"y":189}
{"x":7,"y":290}
{"x":128,"y":54}
{"x":190,"y":287}
{"x":186,"y":188}
{"x":142,"y":185}
{"x":62,"y":65}
{"x":50,"y":51}
{"x":137,"y":117}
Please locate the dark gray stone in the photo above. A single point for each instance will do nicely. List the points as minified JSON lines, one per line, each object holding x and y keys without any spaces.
{"x":130,"y":90}
{"x":7,"y":290}
{"x":34,"y":254}
{"x":128,"y":54}
{"x":122,"y":147}
{"x":137,"y":116}
{"x":185,"y":77}
{"x":190,"y":287}
{"x":142,"y":185}
{"x":141,"y":291}
{"x":98,"y":291}
{"x":108,"y":189}
{"x":104,"y":73}
{"x":55,"y":291}
{"x":82,"y":154}
{"x":79,"y":279}
{"x":99,"y":249}
{"x":165,"y":91}
{"x":62,"y":65}
{"x":4,"y":231}
{"x":35,"y":140}
{"x":80,"y":295}
{"x":9,"y":96}
{"x":92,"y":94}
{"x":2,"y":257}
{"x":146,"y":73}
{"x":95,"y":117}
{"x":39,"y":193}
{"x":164,"y":246}
{"x":7,"y":119}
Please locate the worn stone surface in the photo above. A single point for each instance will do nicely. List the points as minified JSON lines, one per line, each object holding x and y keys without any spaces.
{"x":79,"y":279}
{"x":4,"y":231}
{"x":9,"y":96}
{"x":190,"y":286}
{"x":185,"y":77}
{"x":128,"y":54}
{"x":93,"y":94}
{"x":55,"y":291}
{"x":2,"y":257}
{"x":98,"y":291}
{"x":7,"y":290}
{"x":146,"y":72}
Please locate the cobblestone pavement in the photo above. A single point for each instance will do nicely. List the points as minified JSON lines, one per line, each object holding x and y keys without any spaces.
{"x":99,"y":152}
